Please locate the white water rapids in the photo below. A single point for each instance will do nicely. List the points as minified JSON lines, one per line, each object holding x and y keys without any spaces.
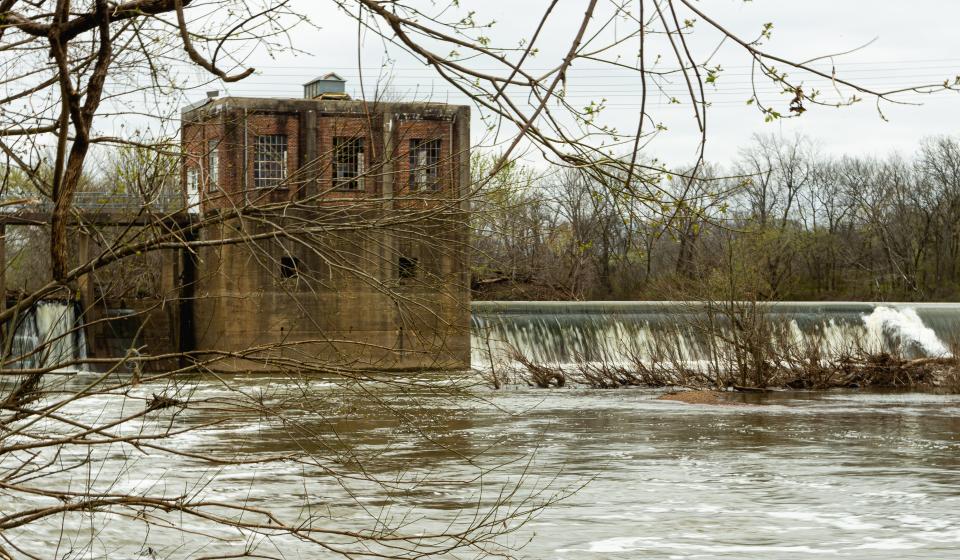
{"x":906,"y":326}
{"x":621,"y":332}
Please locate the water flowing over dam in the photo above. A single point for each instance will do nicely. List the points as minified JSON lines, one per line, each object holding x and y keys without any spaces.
{"x":554,"y":332}
{"x":49,"y":333}
{"x":621,"y":332}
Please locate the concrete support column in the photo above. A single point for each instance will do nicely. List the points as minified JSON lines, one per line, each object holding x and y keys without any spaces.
{"x":389,"y":159}
{"x":388,"y":251}
{"x":308,"y":157}
{"x":462,"y":131}
{"x":88,"y":303}
{"x":85,"y":283}
{"x":462,"y":139}
{"x":3,"y":267}
{"x":187,"y":339}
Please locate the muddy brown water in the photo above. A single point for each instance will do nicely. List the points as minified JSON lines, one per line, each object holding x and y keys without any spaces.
{"x":789,"y":475}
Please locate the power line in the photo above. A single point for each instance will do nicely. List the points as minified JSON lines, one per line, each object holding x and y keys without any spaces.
{"x":591,"y":92}
{"x":315,"y":69}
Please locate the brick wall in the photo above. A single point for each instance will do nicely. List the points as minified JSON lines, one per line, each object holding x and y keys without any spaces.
{"x":235,"y":133}
{"x":408,"y":130}
{"x":236,"y":129}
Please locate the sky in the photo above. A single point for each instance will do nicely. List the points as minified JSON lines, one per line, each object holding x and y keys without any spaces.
{"x":907,"y":43}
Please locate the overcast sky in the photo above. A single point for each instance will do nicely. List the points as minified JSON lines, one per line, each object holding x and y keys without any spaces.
{"x":913,"y":43}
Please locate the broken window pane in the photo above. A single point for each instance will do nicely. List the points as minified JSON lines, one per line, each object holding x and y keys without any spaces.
{"x":348,"y":163}
{"x":424,"y":164}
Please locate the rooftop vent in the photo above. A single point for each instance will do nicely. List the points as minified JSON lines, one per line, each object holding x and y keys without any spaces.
{"x":328,"y":86}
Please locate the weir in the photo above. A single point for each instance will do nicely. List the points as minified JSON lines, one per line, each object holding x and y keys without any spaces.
{"x":49,"y":333}
{"x":620,"y":332}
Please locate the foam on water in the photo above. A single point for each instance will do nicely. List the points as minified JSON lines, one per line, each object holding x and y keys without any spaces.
{"x":907,"y":326}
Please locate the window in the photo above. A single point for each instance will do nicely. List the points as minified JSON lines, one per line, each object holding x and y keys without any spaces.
{"x":213,"y":165}
{"x":289,"y":267}
{"x":424,"y":164}
{"x":348,"y":164}
{"x":408,"y":268}
{"x":193,"y":190}
{"x":269,"y":160}
{"x":193,"y":181}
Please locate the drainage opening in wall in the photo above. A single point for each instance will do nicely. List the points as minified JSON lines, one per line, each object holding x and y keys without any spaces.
{"x":289,"y":267}
{"x":408,"y":267}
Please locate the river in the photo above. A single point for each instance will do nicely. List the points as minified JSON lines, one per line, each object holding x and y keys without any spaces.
{"x":787,"y":475}
{"x":846,"y":474}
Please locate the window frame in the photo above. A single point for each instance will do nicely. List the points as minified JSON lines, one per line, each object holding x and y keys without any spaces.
{"x":193,"y":198}
{"x":354,"y":159}
{"x":276,"y":166}
{"x":213,"y":165}
{"x":193,"y":180}
{"x":424,"y":164}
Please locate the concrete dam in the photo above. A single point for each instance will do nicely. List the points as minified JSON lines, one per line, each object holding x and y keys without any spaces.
{"x":559,"y":332}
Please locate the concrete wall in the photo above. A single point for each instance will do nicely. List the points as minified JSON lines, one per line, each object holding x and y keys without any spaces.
{"x":346,"y":307}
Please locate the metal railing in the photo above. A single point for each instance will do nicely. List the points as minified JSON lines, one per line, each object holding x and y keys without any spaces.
{"x":97,"y":201}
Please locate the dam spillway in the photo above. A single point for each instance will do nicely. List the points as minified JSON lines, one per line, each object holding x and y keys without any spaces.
{"x":560,"y":332}
{"x":619,"y":332}
{"x":50,"y":334}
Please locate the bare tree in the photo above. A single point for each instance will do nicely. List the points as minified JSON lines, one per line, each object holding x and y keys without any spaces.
{"x":75,"y":448}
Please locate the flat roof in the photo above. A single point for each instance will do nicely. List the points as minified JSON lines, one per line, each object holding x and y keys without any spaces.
{"x":331,"y":106}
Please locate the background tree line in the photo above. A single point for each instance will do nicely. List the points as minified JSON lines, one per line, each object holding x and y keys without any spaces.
{"x":783,"y":222}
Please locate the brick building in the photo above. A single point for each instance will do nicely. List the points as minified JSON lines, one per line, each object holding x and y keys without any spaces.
{"x":336,"y":232}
